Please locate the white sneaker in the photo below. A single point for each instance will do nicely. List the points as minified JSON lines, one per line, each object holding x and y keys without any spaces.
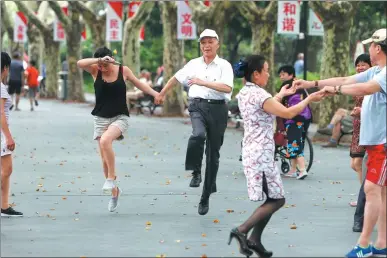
{"x":302,"y":175}
{"x":113,"y":203}
{"x":108,"y":186}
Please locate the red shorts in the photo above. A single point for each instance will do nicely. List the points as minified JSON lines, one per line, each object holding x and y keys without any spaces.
{"x":376,"y":165}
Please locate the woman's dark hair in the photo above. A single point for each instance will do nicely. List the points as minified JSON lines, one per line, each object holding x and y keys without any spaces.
{"x":245,"y":68}
{"x":363,"y":58}
{"x":33,"y":63}
{"x":289,"y":69}
{"x":5,"y":60}
{"x":102,"y":52}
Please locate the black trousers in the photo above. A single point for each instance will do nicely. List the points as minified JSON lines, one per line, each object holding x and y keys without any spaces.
{"x":209,"y":122}
{"x":361,"y":199}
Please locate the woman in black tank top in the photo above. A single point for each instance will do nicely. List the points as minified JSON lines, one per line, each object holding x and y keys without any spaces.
{"x":110,"y":111}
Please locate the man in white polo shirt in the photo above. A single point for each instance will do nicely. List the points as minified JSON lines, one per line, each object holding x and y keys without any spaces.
{"x":372,"y":85}
{"x":210,"y":80}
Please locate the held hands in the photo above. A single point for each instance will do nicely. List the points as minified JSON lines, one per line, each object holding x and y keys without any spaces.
{"x":316,"y":96}
{"x":10,"y":143}
{"x":159,"y":98}
{"x":287,"y":91}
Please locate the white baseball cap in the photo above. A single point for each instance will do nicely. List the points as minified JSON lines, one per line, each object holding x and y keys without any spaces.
{"x":378,"y":37}
{"x":208,"y":33}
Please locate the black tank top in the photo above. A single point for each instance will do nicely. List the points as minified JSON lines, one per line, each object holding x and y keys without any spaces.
{"x":110,"y":97}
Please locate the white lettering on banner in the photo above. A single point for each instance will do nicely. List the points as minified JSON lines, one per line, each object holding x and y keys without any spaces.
{"x":316,"y":27}
{"x":114,"y":21}
{"x":20,"y":28}
{"x":186,"y":28}
{"x":288,"y":17}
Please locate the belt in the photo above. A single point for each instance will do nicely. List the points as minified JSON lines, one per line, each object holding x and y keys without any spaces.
{"x":212,"y":101}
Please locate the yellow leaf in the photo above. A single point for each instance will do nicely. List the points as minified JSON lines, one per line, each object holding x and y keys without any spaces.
{"x":216,"y":221}
{"x":148,"y":223}
{"x":204,"y":245}
{"x":64,"y":198}
{"x":293,"y":226}
{"x":230,"y":211}
{"x":204,"y":235}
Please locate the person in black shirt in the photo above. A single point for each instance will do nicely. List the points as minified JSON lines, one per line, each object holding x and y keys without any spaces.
{"x":110,"y":111}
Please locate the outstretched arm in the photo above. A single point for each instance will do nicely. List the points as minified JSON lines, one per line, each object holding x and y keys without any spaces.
{"x":129,"y":76}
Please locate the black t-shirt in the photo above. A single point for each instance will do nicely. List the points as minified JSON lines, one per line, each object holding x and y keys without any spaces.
{"x":110,"y":98}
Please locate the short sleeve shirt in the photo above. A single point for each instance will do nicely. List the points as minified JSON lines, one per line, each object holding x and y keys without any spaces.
{"x":219,"y":70}
{"x":373,"y":111}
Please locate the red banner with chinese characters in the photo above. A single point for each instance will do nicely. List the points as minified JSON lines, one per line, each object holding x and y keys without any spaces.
{"x":288,"y":17}
{"x":114,"y":21}
{"x":59,"y":32}
{"x":186,"y":28}
{"x":20,"y":28}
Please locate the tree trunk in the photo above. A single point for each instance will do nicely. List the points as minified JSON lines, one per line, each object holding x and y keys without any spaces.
{"x":262,"y":42}
{"x":73,"y":40}
{"x":172,"y":59}
{"x":263,"y":22}
{"x":96,"y":23}
{"x":8,"y":24}
{"x":131,"y":43}
{"x":51,"y":61}
{"x":337,"y":20}
{"x":73,"y":28}
{"x":34,"y":43}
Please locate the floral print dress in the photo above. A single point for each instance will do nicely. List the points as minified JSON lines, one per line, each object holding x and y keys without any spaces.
{"x":258,"y":144}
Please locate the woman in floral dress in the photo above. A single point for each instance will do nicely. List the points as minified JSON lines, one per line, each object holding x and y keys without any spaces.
{"x":259,"y":109}
{"x":362,"y":63}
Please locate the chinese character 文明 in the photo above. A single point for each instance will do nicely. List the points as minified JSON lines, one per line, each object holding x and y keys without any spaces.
{"x":187,"y":18}
{"x":114,"y":24}
{"x":289,"y":9}
{"x":288,"y":24}
{"x":113,"y":34}
{"x":20,"y":36}
{"x":186,"y":30}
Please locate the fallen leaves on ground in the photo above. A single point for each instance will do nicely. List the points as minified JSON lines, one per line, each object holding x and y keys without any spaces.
{"x":148,"y":223}
{"x":64,"y":198}
{"x":293,"y":226}
{"x":204,"y":245}
{"x":216,"y":221}
{"x":229,"y":211}
{"x":204,"y":256}
{"x":204,"y":235}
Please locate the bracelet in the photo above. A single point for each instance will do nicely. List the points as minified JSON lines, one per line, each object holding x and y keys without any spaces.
{"x":339,"y":91}
{"x":316,"y":84}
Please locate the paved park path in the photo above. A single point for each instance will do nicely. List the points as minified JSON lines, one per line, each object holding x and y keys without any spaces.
{"x":58,"y":178}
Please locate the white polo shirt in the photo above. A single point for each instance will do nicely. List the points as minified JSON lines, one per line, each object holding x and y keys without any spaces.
{"x":219,"y":70}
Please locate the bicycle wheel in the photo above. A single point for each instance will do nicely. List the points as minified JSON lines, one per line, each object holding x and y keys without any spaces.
{"x":308,"y":153}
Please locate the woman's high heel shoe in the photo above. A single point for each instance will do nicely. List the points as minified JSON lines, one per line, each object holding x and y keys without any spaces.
{"x":242,"y":240}
{"x":259,"y":249}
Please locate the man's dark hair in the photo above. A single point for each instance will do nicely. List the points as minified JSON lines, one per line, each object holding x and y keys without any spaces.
{"x":33,"y":63}
{"x":5,"y":60}
{"x":102,"y":52}
{"x":363,"y":58}
{"x":287,"y":69}
{"x":15,"y":55}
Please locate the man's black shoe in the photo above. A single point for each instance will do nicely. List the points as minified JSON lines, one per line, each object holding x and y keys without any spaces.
{"x":196,"y":180}
{"x":204,"y":206}
{"x":357,"y":226}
